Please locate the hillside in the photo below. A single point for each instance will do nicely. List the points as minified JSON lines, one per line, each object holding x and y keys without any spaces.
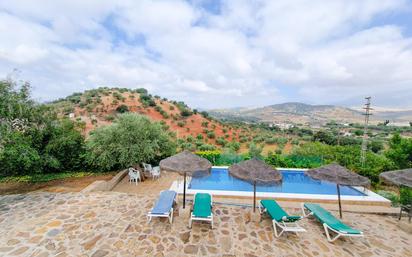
{"x":99,"y":107}
{"x":314,"y":115}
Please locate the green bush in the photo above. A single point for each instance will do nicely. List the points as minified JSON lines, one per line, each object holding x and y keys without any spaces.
{"x":206,"y":147}
{"x":270,"y":140}
{"x":211,"y":134}
{"x":235,"y":146}
{"x":293,"y":161}
{"x":110,"y":117}
{"x":122,"y":108}
{"x":221,"y":141}
{"x":392,"y":196}
{"x":405,"y":195}
{"x":211,"y":155}
{"x":33,"y":139}
{"x":130,"y":140}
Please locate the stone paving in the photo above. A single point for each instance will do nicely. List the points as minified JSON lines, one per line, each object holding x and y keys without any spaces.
{"x":114,"y":224}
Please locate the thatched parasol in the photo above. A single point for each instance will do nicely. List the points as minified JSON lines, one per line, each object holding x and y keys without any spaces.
{"x":340,"y":175}
{"x":398,"y":177}
{"x":186,"y":163}
{"x":256,"y":172}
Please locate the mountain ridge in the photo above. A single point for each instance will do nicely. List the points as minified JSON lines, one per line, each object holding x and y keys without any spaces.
{"x":303,"y":113}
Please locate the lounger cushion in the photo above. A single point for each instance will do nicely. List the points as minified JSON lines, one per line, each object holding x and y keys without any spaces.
{"x":276,"y":212}
{"x":165,"y":202}
{"x":203,"y":205}
{"x":326,"y":217}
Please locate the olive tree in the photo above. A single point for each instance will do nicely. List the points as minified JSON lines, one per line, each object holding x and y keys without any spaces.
{"x":130,"y":140}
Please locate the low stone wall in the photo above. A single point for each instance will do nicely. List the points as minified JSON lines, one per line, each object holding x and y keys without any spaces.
{"x":101,"y":185}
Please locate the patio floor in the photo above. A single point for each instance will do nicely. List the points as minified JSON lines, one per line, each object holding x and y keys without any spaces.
{"x":114,"y":224}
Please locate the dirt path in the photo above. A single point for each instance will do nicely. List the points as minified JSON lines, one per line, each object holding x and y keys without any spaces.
{"x":59,"y":185}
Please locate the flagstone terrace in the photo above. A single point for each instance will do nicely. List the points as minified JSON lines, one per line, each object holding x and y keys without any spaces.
{"x":115,"y":224}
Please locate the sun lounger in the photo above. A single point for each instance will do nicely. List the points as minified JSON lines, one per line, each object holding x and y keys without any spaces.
{"x":164,"y":206}
{"x":280,"y":218}
{"x":202,"y":208}
{"x":330,"y":222}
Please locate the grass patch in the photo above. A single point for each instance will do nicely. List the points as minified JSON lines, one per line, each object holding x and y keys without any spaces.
{"x":37,"y":178}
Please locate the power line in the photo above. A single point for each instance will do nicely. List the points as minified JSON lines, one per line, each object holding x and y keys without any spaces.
{"x":367,"y":114}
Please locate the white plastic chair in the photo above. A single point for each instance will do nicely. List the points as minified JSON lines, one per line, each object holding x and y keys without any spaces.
{"x":155,"y":172}
{"x":147,"y":167}
{"x":134,"y":175}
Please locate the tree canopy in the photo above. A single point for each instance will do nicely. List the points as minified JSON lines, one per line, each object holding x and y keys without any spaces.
{"x":130,"y":140}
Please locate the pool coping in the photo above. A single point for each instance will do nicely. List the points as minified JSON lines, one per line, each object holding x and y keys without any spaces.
{"x":370,"y":197}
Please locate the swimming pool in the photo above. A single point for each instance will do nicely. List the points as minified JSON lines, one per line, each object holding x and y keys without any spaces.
{"x":295,"y":182}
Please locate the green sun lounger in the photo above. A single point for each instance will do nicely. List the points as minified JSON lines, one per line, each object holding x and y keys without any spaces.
{"x":280,"y":218}
{"x":202,"y":208}
{"x":330,"y":222}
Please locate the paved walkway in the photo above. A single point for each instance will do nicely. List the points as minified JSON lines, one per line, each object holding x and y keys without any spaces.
{"x":114,"y":224}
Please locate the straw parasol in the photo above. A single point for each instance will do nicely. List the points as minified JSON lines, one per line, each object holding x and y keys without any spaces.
{"x":340,"y":175}
{"x":186,"y":163}
{"x":398,"y":177}
{"x":257,"y":172}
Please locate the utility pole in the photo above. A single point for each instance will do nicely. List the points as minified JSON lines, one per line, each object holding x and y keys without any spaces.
{"x":367,"y":113}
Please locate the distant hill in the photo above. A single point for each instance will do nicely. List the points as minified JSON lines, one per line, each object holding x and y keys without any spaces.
{"x":314,"y":115}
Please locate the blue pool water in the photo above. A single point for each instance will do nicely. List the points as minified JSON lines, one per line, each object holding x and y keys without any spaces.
{"x":295,"y":182}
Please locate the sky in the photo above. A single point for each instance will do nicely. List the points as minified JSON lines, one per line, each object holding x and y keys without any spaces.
{"x":214,"y":54}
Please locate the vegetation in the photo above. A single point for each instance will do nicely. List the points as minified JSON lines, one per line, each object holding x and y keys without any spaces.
{"x":37,"y":141}
{"x":32,"y":139}
{"x":131,"y":139}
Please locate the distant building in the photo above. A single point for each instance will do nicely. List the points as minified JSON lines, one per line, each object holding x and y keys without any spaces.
{"x":282,"y":125}
{"x":71,"y":115}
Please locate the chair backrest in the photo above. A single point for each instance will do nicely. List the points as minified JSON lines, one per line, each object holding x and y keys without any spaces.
{"x":155,"y":171}
{"x":134,"y":173}
{"x":147,"y":167}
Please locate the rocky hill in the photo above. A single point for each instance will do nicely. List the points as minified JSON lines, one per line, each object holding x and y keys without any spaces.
{"x":99,"y":107}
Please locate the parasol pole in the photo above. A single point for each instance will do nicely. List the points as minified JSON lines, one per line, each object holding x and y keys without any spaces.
{"x":184,"y":190}
{"x":254,"y":196}
{"x":340,"y":206}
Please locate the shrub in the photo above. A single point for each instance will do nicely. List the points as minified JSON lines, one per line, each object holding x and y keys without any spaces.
{"x":164,"y":114}
{"x":186,"y":113}
{"x":221,"y":141}
{"x":235,"y":146}
{"x":392,"y":196}
{"x":122,"y":108}
{"x":207,"y":147}
{"x":130,"y":140}
{"x":199,"y":136}
{"x":211,"y":134}
{"x":255,"y":151}
{"x":270,"y":140}
{"x":205,"y":124}
{"x":181,"y":124}
{"x":109,"y":117}
{"x":211,"y":155}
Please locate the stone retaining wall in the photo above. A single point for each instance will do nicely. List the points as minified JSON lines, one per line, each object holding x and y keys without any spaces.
{"x":101,"y":185}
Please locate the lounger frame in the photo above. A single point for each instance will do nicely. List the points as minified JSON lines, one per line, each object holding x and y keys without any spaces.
{"x":283,"y":225}
{"x":328,"y":228}
{"x":168,"y":215}
{"x":195,"y":218}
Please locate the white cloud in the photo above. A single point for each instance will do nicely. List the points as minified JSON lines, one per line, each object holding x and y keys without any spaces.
{"x":247,"y":54}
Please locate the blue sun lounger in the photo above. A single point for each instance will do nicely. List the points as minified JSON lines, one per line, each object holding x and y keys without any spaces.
{"x":164,"y":205}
